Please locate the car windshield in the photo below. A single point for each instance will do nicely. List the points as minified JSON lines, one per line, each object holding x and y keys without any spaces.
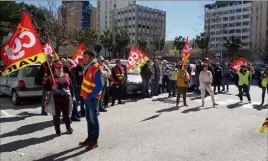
{"x":30,"y":71}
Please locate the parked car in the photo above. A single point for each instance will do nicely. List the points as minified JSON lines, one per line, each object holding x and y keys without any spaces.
{"x":134,"y":81}
{"x":20,"y":84}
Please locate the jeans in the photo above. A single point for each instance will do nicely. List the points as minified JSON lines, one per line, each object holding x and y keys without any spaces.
{"x":197,"y":82}
{"x":145,"y":87}
{"x":165,"y":83}
{"x":172,"y":87}
{"x":106,"y":96}
{"x":155,"y":86}
{"x":263,"y":93}
{"x":242,"y":89}
{"x":43,"y":99}
{"x":104,"y":87}
{"x":225,"y":82}
{"x":93,"y":127}
{"x":79,"y":98}
{"x":116,"y":93}
{"x":217,"y":84}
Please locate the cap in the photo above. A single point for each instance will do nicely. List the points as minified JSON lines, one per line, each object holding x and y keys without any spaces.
{"x":101,"y":58}
{"x":58,"y":64}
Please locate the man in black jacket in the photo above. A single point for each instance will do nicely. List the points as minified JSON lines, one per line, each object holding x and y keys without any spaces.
{"x":146,"y":74}
{"x":217,"y":77}
{"x":79,"y":72}
{"x":68,"y":68}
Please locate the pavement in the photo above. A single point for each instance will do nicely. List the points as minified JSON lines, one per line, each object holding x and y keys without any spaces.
{"x":143,"y":130}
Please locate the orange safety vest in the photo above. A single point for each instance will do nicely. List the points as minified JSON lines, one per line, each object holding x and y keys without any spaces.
{"x":88,"y":83}
{"x":118,"y":74}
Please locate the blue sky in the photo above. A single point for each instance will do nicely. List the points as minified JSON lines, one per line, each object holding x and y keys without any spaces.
{"x":182,"y":18}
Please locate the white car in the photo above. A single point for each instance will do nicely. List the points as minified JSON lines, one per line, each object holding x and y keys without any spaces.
{"x":20,"y":84}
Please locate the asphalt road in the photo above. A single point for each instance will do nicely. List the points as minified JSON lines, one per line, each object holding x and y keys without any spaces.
{"x":143,"y":130}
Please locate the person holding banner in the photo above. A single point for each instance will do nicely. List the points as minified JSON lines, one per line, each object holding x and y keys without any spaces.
{"x":182,"y":84}
{"x":59,"y":86}
{"x":242,"y":81}
{"x":146,"y":74}
{"x":205,"y":79}
{"x":118,"y":78}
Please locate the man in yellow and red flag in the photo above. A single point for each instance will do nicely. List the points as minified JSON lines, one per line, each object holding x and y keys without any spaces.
{"x":49,"y":50}
{"x":264,"y":126}
{"x":186,"y":53}
{"x":23,"y":48}
{"x":79,"y":52}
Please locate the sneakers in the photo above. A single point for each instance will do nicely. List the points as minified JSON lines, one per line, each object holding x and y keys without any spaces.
{"x":44,"y":113}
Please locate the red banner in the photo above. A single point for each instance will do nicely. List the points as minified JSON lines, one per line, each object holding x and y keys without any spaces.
{"x":82,"y":47}
{"x":49,"y":50}
{"x":23,"y":48}
{"x":236,"y":64}
{"x":136,"y":59}
{"x":186,"y":53}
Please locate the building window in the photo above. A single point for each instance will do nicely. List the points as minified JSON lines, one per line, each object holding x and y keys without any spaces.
{"x":225,"y":19}
{"x":238,"y":24}
{"x":245,"y":23}
{"x":245,"y":16}
{"x":245,"y":30}
{"x":225,"y":25}
{"x":238,"y":31}
{"x":246,"y":9}
{"x":118,"y":20}
{"x":114,"y":5}
{"x":245,"y":37}
{"x":238,"y":10}
{"x":224,"y":12}
{"x":244,"y":44}
{"x":129,"y":18}
{"x":231,"y":11}
{"x":232,"y":18}
{"x":231,"y":31}
{"x":232,"y":25}
{"x":238,"y":17}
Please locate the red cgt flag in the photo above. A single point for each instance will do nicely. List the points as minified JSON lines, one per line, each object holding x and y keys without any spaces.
{"x":136,"y":59}
{"x":186,"y":53}
{"x":82,"y":47}
{"x":48,"y":49}
{"x":236,"y":64}
{"x":23,"y":48}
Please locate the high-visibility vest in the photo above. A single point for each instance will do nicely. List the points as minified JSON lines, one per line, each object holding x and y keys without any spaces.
{"x":264,"y":81}
{"x":119,"y":75}
{"x":54,"y":81}
{"x":88,"y":83}
{"x":243,"y":78}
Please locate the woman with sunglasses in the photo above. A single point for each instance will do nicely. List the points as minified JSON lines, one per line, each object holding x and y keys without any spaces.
{"x":59,"y":87}
{"x":205,"y":79}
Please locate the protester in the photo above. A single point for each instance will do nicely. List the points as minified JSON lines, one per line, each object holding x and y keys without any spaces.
{"x":45,"y":73}
{"x":118,"y":78}
{"x":227,"y":76}
{"x":109,"y":84}
{"x":205,"y":79}
{"x":172,"y":77}
{"x":217,"y":78}
{"x":106,"y":72}
{"x":124,"y":82}
{"x":59,"y":86}
{"x":251,"y":73}
{"x":79,"y":73}
{"x":155,"y":68}
{"x":146,"y":74}
{"x":63,"y":61}
{"x":264,"y":82}
{"x":91,"y":92}
{"x":242,"y":81}
{"x":182,"y":85}
{"x":69,"y":69}
{"x":198,"y":69}
{"x":164,"y":70}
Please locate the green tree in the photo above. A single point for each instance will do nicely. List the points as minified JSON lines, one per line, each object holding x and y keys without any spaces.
{"x":202,"y":42}
{"x":107,"y":40}
{"x":88,"y":36}
{"x":179,"y":43}
{"x":232,"y":44}
{"x":142,"y":44}
{"x":122,"y":40}
{"x":98,"y":48}
{"x":159,"y":45}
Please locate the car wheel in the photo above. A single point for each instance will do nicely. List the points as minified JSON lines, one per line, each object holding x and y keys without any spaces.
{"x":15,"y":98}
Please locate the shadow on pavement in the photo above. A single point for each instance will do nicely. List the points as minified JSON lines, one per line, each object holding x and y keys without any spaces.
{"x":195,"y":109}
{"x":235,"y":105}
{"x":259,"y":107}
{"x":165,"y":100}
{"x":54,"y":156}
{"x":13,"y":146}
{"x":27,"y":129}
{"x":168,"y":109}
{"x":22,"y":116}
{"x":28,"y":103}
{"x":150,"y":118}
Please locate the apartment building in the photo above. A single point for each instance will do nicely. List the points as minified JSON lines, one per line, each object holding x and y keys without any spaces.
{"x":142,"y":23}
{"x":259,"y":28}
{"x":75,"y":14}
{"x":105,"y":8}
{"x":93,"y":18}
{"x":224,"y":19}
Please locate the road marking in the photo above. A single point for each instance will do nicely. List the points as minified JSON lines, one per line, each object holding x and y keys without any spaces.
{"x":6,"y":114}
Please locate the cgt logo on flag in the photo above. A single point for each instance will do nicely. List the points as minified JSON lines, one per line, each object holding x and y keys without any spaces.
{"x":23,"y":48}
{"x":49,"y":50}
{"x":82,"y":47}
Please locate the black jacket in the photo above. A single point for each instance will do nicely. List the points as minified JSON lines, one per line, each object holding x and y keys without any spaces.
{"x":78,"y":75}
{"x":71,"y":74}
{"x":146,"y":72}
{"x":217,"y":73}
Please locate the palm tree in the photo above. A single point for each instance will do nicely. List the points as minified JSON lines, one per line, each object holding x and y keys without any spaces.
{"x":232,"y":44}
{"x":107,"y":40}
{"x":97,"y":49}
{"x":122,"y":40}
{"x":202,"y":42}
{"x":142,"y":44}
{"x":88,"y":36}
{"x":179,"y":43}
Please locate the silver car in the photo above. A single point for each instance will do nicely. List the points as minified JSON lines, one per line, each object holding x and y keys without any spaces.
{"x":134,"y":81}
{"x":20,"y":84}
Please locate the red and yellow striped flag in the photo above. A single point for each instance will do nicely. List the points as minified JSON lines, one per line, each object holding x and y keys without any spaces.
{"x":264,"y":126}
{"x":186,"y":53}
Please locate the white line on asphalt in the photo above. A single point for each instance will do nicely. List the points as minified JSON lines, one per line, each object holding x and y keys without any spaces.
{"x":5,"y":113}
